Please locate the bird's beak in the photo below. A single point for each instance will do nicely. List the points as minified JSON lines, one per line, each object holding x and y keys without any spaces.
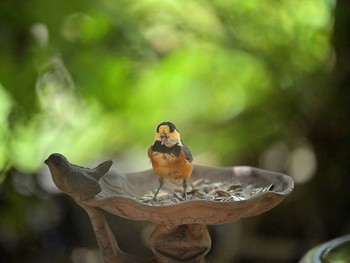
{"x":46,"y":161}
{"x":163,"y":137}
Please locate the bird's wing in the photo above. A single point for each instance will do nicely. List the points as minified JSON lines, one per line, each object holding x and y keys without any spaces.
{"x":187,"y":153}
{"x":83,"y":184}
{"x":96,"y":172}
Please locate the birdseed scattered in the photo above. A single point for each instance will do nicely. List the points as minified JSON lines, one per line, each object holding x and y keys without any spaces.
{"x":207,"y":191}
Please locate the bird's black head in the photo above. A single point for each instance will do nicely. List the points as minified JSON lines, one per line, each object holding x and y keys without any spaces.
{"x":167,"y":134}
{"x":171,"y":126}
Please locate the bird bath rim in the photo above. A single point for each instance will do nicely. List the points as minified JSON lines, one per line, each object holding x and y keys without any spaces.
{"x":120,"y":191}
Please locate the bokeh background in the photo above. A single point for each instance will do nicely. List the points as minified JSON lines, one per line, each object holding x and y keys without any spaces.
{"x":260,"y":83}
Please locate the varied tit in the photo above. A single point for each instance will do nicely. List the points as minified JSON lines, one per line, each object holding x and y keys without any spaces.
{"x":170,"y":158}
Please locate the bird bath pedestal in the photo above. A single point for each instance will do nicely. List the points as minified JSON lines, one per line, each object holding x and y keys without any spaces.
{"x":181,"y":233}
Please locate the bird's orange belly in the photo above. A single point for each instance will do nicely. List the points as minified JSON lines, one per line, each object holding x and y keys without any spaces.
{"x":170,"y":166}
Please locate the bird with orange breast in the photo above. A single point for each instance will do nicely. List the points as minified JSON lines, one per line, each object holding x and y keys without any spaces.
{"x":170,"y":158}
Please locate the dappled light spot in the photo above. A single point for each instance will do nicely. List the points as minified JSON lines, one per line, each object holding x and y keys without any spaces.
{"x":275,"y":157}
{"x":86,"y":255}
{"x":302,"y":164}
{"x":40,"y":33}
{"x":72,"y":26}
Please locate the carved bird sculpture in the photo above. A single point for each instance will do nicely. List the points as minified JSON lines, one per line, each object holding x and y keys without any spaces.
{"x":77,"y":181}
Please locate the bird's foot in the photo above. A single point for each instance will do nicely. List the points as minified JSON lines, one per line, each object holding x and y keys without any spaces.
{"x":185,"y":195}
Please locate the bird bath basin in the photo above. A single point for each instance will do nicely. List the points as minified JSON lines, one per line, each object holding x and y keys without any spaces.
{"x":181,"y":234}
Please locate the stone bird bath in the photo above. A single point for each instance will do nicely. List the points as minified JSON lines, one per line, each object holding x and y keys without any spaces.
{"x":181,"y":234}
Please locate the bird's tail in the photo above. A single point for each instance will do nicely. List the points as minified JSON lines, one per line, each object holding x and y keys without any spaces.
{"x":102,"y":169}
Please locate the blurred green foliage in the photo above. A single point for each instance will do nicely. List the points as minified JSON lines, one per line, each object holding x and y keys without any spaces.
{"x":246,"y":82}
{"x":89,"y":78}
